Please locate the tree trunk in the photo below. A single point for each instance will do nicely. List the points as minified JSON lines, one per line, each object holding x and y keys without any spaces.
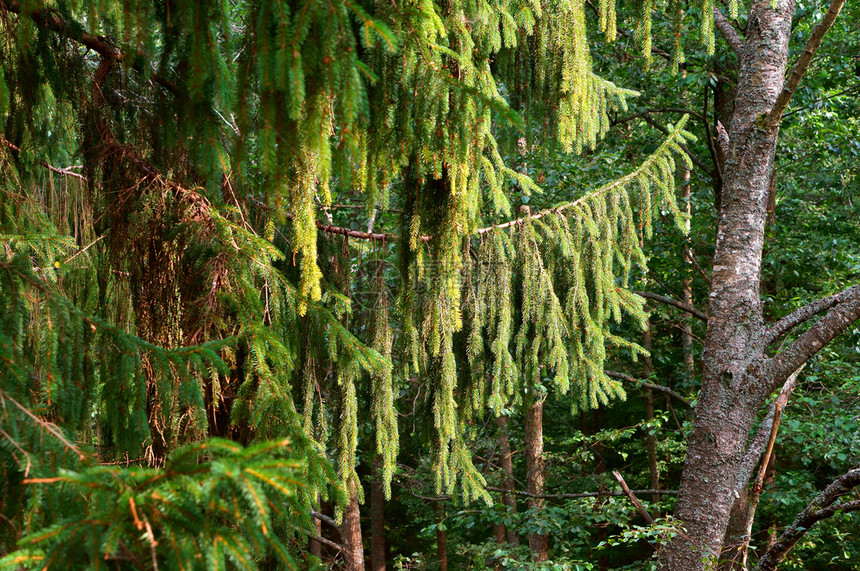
{"x":377,"y":521}
{"x":316,"y":546}
{"x":732,"y":551}
{"x":441,"y":537}
{"x":731,"y":393}
{"x":687,"y":282}
{"x":509,"y":497}
{"x":535,"y":471}
{"x":351,"y":533}
{"x":650,"y":439}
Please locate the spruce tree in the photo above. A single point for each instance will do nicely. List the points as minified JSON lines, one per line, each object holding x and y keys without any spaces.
{"x":187,"y":284}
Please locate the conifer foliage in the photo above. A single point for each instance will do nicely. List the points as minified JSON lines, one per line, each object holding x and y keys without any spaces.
{"x":183,"y":286}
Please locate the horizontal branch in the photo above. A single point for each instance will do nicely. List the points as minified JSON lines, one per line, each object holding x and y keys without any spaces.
{"x":803,"y":62}
{"x":327,"y":542}
{"x":682,"y":110}
{"x":325,"y":519}
{"x":64,"y":172}
{"x":375,"y":237}
{"x":820,"y":508}
{"x":647,"y":385}
{"x":573,"y":496}
{"x":50,"y":20}
{"x":674,"y":303}
{"x":76,"y":32}
{"x":799,"y":316}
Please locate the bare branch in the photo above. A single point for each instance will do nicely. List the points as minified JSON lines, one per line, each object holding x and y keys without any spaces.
{"x":777,"y":409}
{"x":674,"y":303}
{"x":328,"y":542}
{"x":647,"y":385}
{"x":64,"y":172}
{"x":325,"y":519}
{"x":731,"y":35}
{"x":820,"y":508}
{"x":682,"y":110}
{"x":632,"y":497}
{"x":579,"y":495}
{"x":808,"y":311}
{"x":698,"y":267}
{"x":803,"y":62}
{"x":328,"y":228}
{"x":776,"y":369}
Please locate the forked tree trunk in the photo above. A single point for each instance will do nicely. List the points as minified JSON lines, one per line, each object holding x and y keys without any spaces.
{"x":535,"y":471}
{"x":733,"y":391}
{"x":351,"y":533}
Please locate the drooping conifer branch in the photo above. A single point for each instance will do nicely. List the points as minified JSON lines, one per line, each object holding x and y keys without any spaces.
{"x":672,"y":142}
{"x":406,"y":94}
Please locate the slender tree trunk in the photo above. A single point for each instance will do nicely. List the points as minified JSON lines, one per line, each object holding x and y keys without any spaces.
{"x":599,"y":452}
{"x":535,"y":471}
{"x":509,"y":497}
{"x":650,"y":439}
{"x":351,"y":534}
{"x":731,"y":395}
{"x":377,"y":521}
{"x":441,"y":537}
{"x":499,"y":530}
{"x":316,"y":546}
{"x":687,"y":282}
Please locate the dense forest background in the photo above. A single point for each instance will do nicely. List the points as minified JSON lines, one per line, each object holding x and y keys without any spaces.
{"x":418,"y":284}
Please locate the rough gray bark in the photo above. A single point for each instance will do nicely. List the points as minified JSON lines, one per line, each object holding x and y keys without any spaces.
{"x":735,"y":550}
{"x":738,"y":375}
